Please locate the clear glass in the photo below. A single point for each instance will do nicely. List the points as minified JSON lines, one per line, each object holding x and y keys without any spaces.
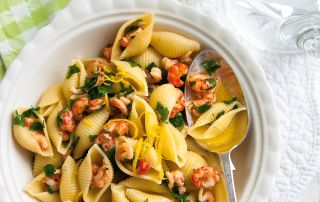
{"x":287,"y":26}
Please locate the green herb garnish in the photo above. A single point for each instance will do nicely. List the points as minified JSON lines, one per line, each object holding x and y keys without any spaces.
{"x":220,"y":114}
{"x":111,"y":153}
{"x":49,"y":170}
{"x":105,"y":89}
{"x":150,"y":66}
{"x":133,"y":63}
{"x":132,"y":26}
{"x":19,"y":118}
{"x":162,"y":111}
{"x":72,"y":70}
{"x":235,"y":107}
{"x":122,"y":48}
{"x":230,"y":101}
{"x":36,"y":126}
{"x":150,"y":89}
{"x":210,"y":65}
{"x":213,"y":83}
{"x":49,"y":189}
{"x":181,"y":198}
{"x":177,"y":121}
{"x":92,"y":137}
{"x":75,"y":142}
{"x":203,"y":108}
{"x":116,"y":133}
{"x":125,"y":90}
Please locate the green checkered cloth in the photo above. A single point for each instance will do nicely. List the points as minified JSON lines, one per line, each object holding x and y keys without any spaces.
{"x":19,"y":21}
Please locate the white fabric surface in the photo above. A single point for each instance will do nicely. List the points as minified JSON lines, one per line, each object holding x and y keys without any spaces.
{"x":295,"y":82}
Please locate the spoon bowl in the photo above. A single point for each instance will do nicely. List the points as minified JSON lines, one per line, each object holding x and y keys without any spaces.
{"x":231,"y":83}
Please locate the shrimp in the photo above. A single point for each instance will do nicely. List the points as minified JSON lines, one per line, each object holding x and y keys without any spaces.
{"x":203,"y":82}
{"x":96,"y":104}
{"x":124,"y":41}
{"x":67,"y":124}
{"x":205,"y":197}
{"x":167,"y":63}
{"x":107,"y":53}
{"x":205,"y":99}
{"x":156,"y":74}
{"x":119,"y":104}
{"x":79,"y":107}
{"x":28,"y":121}
{"x":41,"y":140}
{"x":205,"y":177}
{"x":95,"y":66}
{"x":175,"y":178}
{"x":53,"y":182}
{"x":125,"y":100}
{"x":106,"y":141}
{"x":175,"y":73}
{"x":100,"y":175}
{"x":119,"y":128}
{"x":179,"y":105}
{"x":144,"y":167}
{"x":124,"y":151}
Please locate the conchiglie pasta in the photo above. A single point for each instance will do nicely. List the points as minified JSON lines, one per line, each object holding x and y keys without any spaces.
{"x":147,"y":57}
{"x":144,"y":185}
{"x":75,"y":80}
{"x":166,"y":95}
{"x":173,"y":45}
{"x":174,"y":145}
{"x":220,"y":190}
{"x":210,"y":157}
{"x":30,"y":139}
{"x":118,"y":193}
{"x":139,"y":43}
{"x":41,"y":161}
{"x":50,"y":97}
{"x":36,"y":189}
{"x":95,"y":156}
{"x":139,"y":196}
{"x":90,"y":125}
{"x":134,"y":75}
{"x":69,"y":187}
{"x":55,"y":132}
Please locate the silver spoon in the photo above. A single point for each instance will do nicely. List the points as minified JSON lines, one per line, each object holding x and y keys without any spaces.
{"x":233,"y":85}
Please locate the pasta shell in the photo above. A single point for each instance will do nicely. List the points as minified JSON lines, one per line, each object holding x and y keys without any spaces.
{"x":193,"y":162}
{"x":55,"y":132}
{"x":36,"y":189}
{"x":134,"y":75}
{"x":174,"y":145}
{"x":144,"y":118}
{"x":139,"y":43}
{"x":173,"y":45}
{"x":26,"y":139}
{"x":144,"y":185}
{"x":106,"y":196}
{"x":95,"y":155}
{"x":220,"y":191}
{"x":45,"y":111}
{"x":147,"y":57}
{"x":138,"y":196}
{"x":51,"y":96}
{"x":69,"y":187}
{"x":90,"y":125}
{"x":166,"y":95}
{"x":75,"y":81}
{"x":41,"y":161}
{"x":118,"y":193}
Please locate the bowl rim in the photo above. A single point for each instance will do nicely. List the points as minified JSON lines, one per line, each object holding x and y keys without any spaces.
{"x":80,"y":11}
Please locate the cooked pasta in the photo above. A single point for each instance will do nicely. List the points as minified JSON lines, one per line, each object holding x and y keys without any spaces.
{"x":118,"y":129}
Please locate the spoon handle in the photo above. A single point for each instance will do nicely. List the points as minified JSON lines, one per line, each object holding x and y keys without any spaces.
{"x":227,"y":170}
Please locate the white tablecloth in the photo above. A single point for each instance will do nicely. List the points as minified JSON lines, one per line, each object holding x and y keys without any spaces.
{"x":295,"y":82}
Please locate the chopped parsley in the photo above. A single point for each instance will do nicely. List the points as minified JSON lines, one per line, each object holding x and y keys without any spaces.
{"x":164,"y":75}
{"x":111,"y":152}
{"x":213,"y":83}
{"x":203,"y":108}
{"x":132,"y":26}
{"x":105,"y":89}
{"x":94,"y":91}
{"x":72,"y":70}
{"x":220,"y":114}
{"x":116,"y":133}
{"x":92,"y":137}
{"x":125,"y":90}
{"x":133,"y":63}
{"x":36,"y":126}
{"x":150,"y":66}
{"x":49,"y":189}
{"x":210,"y":65}
{"x":122,"y":48}
{"x":192,"y":83}
{"x":230,"y":101}
{"x":19,"y":118}
{"x":59,"y":119}
{"x":75,"y":142}
{"x":150,"y":89}
{"x":235,"y":107}
{"x":49,"y":170}
{"x":177,"y":121}
{"x":162,"y":111}
{"x":181,"y":198}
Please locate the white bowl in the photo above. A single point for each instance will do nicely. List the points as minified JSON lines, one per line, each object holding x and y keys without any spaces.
{"x":81,"y":30}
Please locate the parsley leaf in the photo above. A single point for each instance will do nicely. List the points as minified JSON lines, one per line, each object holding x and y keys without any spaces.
{"x":92,"y":137}
{"x":49,"y":170}
{"x":49,"y":189}
{"x":150,"y":66}
{"x":150,"y":89}
{"x":133,"y":63}
{"x":125,"y":90}
{"x":36,"y":126}
{"x":177,"y":121}
{"x":213,"y":83}
{"x":116,"y":133}
{"x":19,"y":119}
{"x":162,"y":111}
{"x":132,"y":26}
{"x":181,"y":198}
{"x":220,"y":114}
{"x":75,"y":142}
{"x":111,"y":152}
{"x":230,"y":101}
{"x":235,"y":107}
{"x":105,"y":89}
{"x":72,"y":70}
{"x":210,"y":65}
{"x":203,"y":108}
